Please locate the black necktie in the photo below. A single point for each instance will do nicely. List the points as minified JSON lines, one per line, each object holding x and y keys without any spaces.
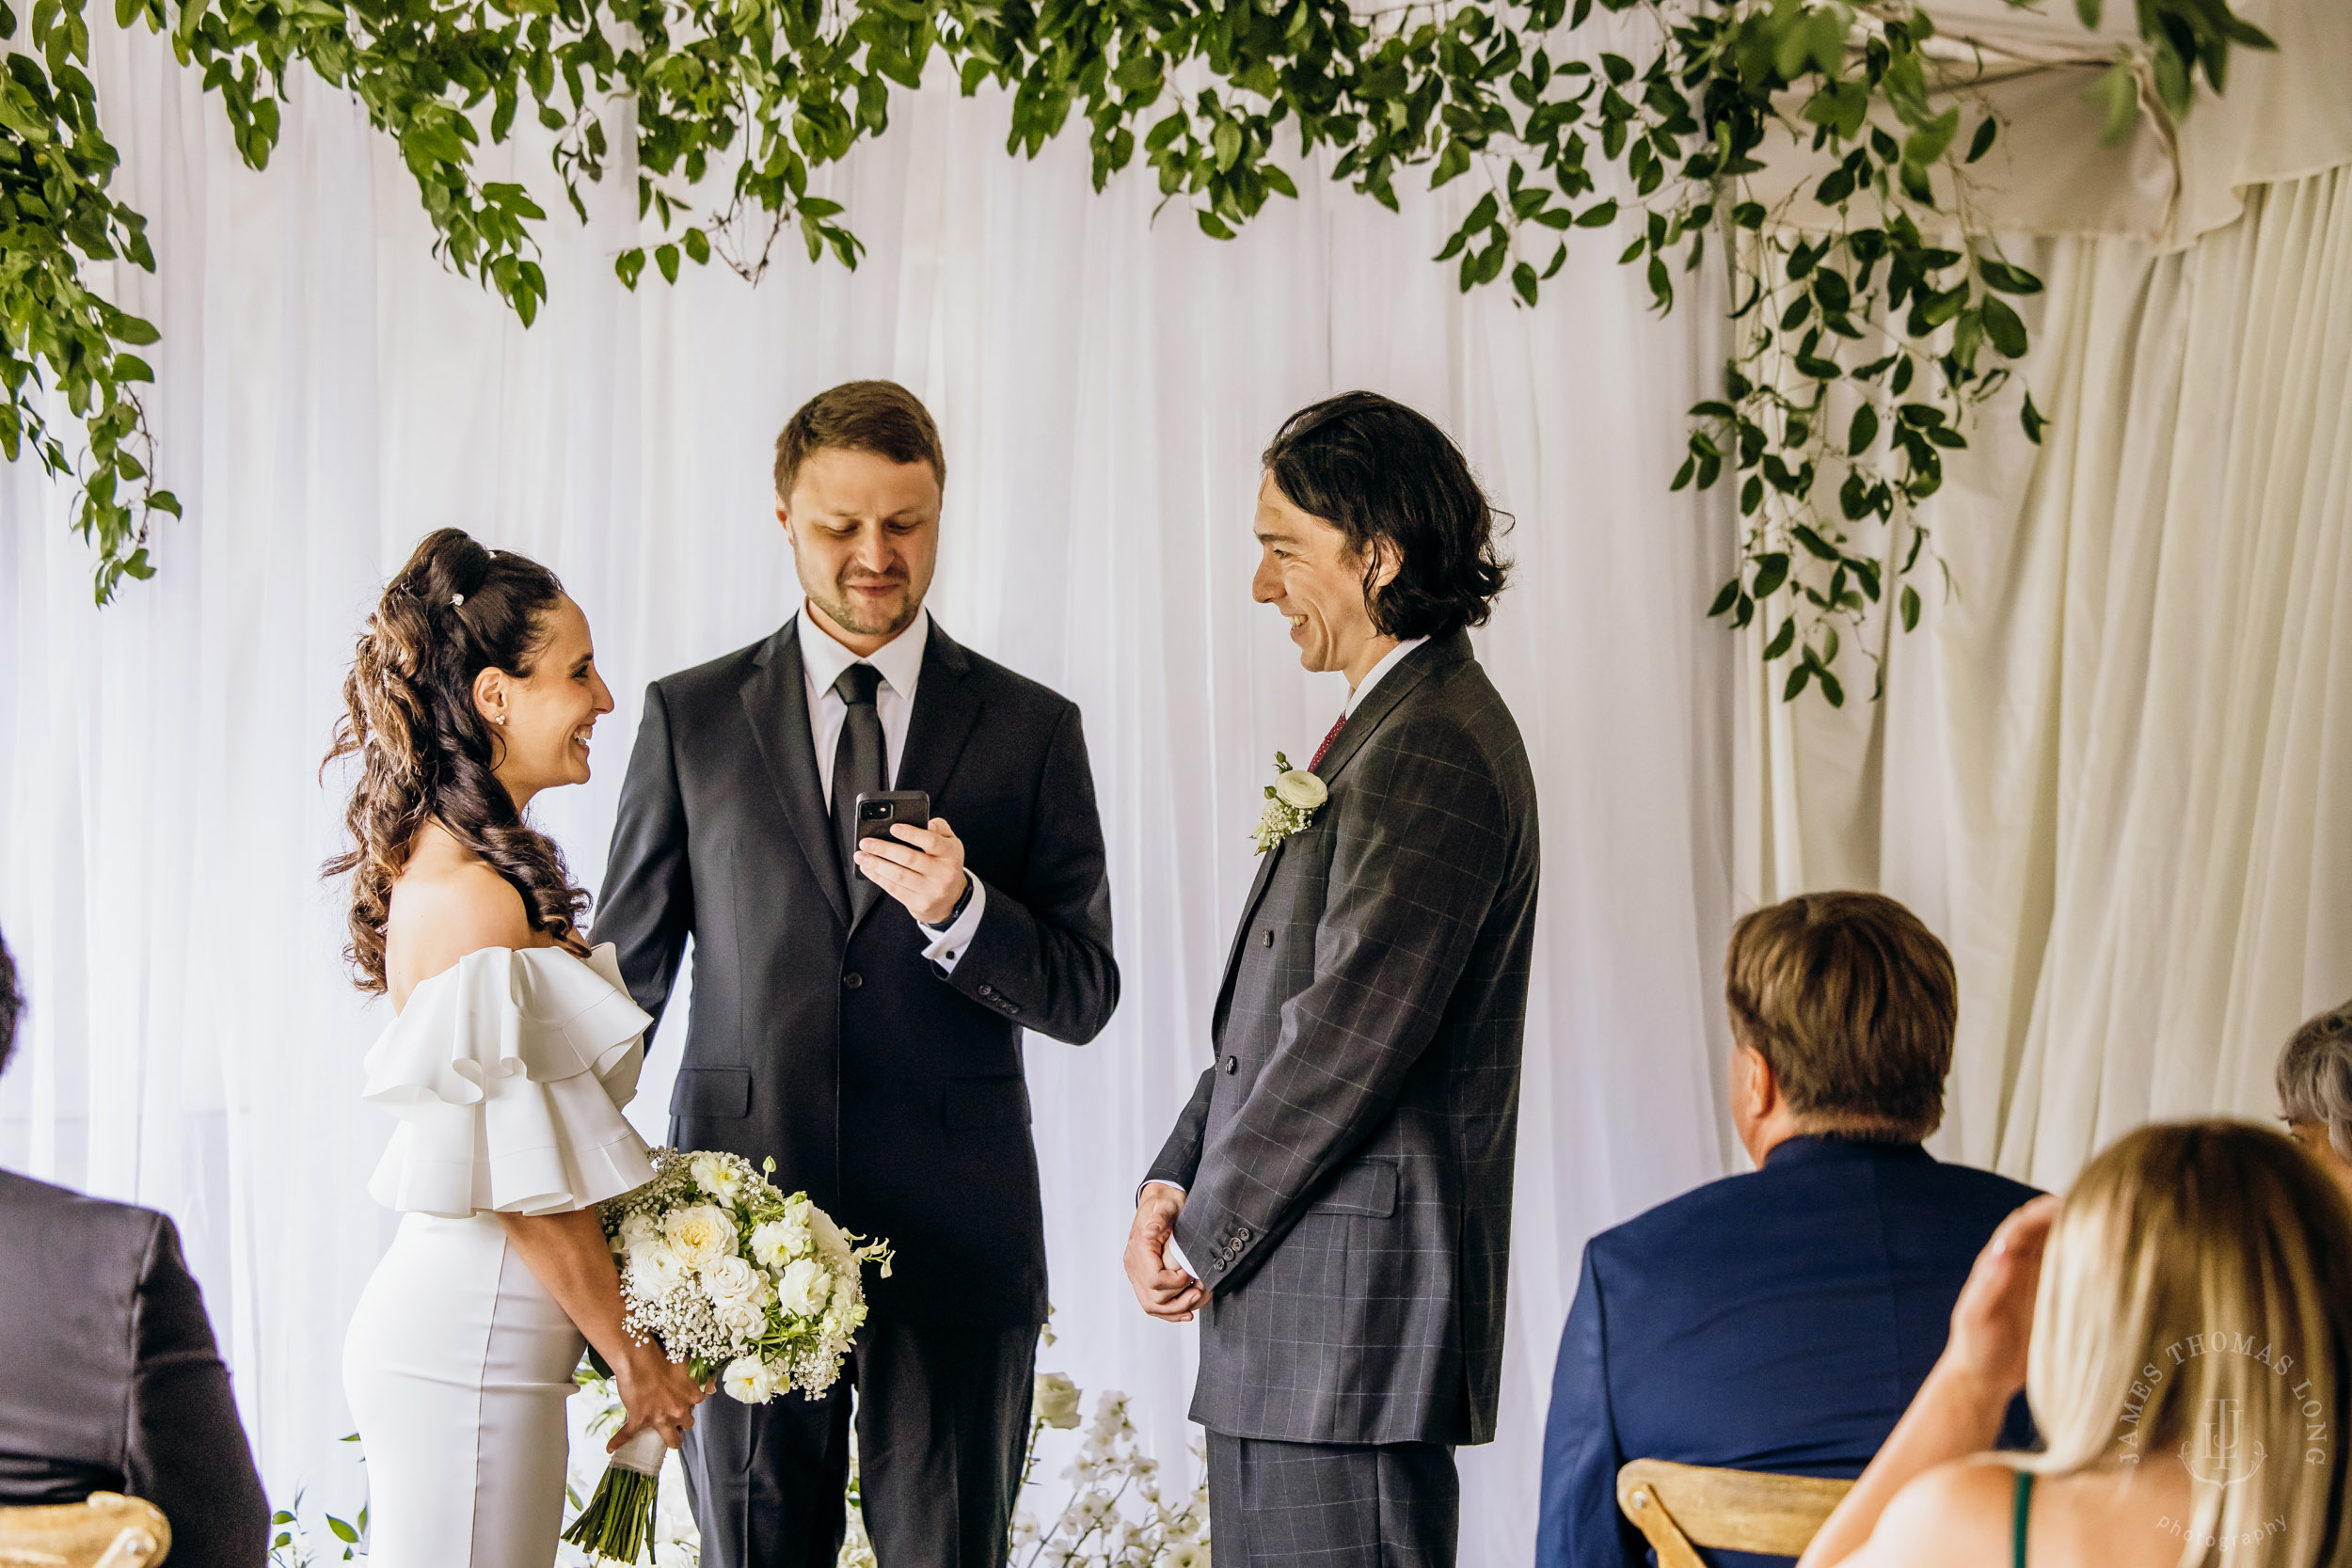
{"x":857,"y":766}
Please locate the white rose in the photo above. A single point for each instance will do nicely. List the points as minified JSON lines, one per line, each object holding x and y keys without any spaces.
{"x":1057,"y":1399}
{"x":655,"y":1270}
{"x":829,"y":1238}
{"x":716,"y":1174}
{"x":730,"y":1281}
{"x":638,"y":1230}
{"x":748,"y":1379}
{"x":1300,"y":788}
{"x":701,"y":1233}
{"x":741,"y":1319}
{"x":805,"y":1289}
{"x":776,"y":1242}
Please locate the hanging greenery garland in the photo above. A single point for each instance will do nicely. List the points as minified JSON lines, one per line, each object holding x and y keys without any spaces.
{"x":1861,"y":346}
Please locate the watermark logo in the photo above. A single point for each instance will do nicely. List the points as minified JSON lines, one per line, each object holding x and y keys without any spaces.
{"x":2221,"y":1452}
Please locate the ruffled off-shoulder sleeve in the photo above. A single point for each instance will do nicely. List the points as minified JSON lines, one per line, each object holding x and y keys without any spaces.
{"x":508,"y":1073}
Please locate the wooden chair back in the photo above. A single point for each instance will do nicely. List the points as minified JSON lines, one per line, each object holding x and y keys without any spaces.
{"x":1677,"y":1507}
{"x":108,"y":1531}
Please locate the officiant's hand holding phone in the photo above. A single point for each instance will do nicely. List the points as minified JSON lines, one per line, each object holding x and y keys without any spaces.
{"x":909,"y":855}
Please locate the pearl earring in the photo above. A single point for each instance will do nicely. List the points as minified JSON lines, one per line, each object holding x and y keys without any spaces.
{"x":499,"y":719}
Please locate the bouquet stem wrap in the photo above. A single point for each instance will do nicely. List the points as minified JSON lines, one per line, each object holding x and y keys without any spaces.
{"x":617,"y":1524}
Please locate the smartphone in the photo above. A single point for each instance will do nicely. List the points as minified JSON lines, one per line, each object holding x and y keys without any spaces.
{"x":880,"y":810}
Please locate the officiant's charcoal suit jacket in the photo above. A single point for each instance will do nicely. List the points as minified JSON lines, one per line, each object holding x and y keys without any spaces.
{"x":1347,"y":1154}
{"x":887,"y":1089}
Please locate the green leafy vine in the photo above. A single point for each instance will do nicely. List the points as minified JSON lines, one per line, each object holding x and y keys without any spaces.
{"x":1866,"y":332}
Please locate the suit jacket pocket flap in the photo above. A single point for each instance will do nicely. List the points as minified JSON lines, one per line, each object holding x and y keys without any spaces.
{"x":987,"y":1102}
{"x":1367,"y":1187}
{"x":712,"y":1091}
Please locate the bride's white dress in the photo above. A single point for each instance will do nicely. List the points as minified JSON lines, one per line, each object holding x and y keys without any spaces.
{"x":508,"y":1073}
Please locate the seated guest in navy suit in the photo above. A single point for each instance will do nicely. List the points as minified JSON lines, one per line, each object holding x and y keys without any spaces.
{"x":109,"y":1378}
{"x":1782,"y":1320}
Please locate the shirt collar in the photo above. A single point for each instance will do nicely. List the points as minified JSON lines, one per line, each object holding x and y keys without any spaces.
{"x":1395,"y":655}
{"x":900,"y":659}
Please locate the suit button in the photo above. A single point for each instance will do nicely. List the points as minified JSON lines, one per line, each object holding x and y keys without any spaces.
{"x":1233,"y":1063}
{"x":1221,"y":1265}
{"x":987,"y":989}
{"x":1240,"y":1236}
{"x":852,"y":980}
{"x":1269,"y":938}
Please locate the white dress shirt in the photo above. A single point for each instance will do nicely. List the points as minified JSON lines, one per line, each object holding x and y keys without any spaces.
{"x":901,"y":664}
{"x":1371,"y":678}
{"x":1361,"y":689}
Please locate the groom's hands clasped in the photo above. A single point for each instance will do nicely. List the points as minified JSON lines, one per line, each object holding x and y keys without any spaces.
{"x":1166,"y":1291}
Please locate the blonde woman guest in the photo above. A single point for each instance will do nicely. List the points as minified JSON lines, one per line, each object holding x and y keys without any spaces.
{"x":2315,"y":1090}
{"x":475,"y":687}
{"x":2181,"y":1324}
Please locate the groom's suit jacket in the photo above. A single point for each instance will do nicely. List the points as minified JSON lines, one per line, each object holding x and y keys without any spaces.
{"x":887,"y":1089}
{"x":1348,"y":1153}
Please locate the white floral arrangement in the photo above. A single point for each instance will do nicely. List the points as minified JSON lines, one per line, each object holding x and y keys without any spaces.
{"x":1117,"y":1516}
{"x":732,"y":1278}
{"x":1291,"y":803}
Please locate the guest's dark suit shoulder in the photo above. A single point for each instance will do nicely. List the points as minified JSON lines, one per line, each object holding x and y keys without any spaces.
{"x":114,"y":1381}
{"x":1734,"y":1204}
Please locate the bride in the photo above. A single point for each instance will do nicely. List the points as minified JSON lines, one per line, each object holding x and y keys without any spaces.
{"x":513,"y":1050}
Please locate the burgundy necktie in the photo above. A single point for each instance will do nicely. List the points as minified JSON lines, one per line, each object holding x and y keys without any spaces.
{"x":1325,"y":749}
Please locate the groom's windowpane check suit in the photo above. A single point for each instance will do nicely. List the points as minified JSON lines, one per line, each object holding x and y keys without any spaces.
{"x":1348,"y":1155}
{"x":879,"y":1061}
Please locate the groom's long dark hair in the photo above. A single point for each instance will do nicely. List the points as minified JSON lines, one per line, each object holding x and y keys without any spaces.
{"x":1383,"y":474}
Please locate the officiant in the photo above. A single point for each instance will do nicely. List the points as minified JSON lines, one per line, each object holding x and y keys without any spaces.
{"x":858,"y":1004}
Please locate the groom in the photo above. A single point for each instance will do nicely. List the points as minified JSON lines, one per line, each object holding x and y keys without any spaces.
{"x":1341,"y":1178}
{"x":865,"y":1031}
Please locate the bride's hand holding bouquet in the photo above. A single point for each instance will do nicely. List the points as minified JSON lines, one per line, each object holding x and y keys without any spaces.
{"x":721,"y":1275}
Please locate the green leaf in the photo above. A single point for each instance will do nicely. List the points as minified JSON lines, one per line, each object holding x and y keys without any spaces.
{"x":1981,"y":143}
{"x":2032,"y":419}
{"x":666,"y":258}
{"x":2002,"y":325}
{"x":1863,"y":431}
{"x":2118,"y":92}
{"x":1781,"y":640}
{"x":342,"y":1531}
{"x":2009,"y":280}
{"x":1909,"y":602}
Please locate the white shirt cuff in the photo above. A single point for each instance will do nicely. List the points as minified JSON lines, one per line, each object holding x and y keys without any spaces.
{"x":1175,"y":1253}
{"x":947,"y":948}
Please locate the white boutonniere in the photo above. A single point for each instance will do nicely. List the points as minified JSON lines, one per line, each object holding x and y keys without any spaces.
{"x":1291,"y":802}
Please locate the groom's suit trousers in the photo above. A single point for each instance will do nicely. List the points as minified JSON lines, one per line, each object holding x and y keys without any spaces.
{"x":1335,"y":1505}
{"x":942,"y":1417}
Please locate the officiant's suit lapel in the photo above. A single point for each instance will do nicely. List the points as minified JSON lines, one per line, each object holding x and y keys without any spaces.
{"x":944,"y":712}
{"x":775,"y":700}
{"x":1361,"y":726}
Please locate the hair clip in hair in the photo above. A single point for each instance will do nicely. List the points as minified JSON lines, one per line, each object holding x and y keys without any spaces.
{"x":456,"y":600}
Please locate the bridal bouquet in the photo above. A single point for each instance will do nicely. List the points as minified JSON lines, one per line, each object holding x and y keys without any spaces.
{"x":731,"y":1277}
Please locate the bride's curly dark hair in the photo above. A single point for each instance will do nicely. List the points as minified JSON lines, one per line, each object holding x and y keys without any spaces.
{"x":425,"y":754}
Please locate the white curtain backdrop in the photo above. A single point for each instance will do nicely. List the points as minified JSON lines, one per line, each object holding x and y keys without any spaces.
{"x":327,"y":394}
{"x":2110,"y":765}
